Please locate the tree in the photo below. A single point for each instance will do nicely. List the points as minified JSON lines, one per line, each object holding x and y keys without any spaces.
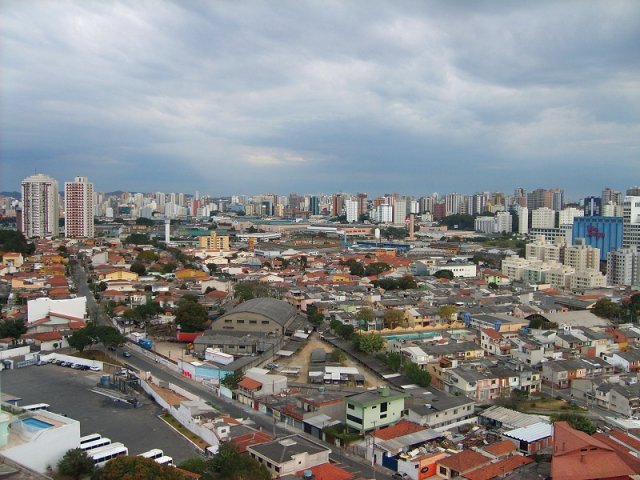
{"x":447,"y":312}
{"x":366,"y":314}
{"x":369,"y":342}
{"x":579,"y":422}
{"x":416,"y":375}
{"x":393,"y":318}
{"x":313,"y":315}
{"x":229,"y":464}
{"x":337,"y":356}
{"x":407,"y":282}
{"x":13,"y":328}
{"x":138,"y":239}
{"x":212,"y":267}
{"x":138,"y":267}
{"x":13,"y":241}
{"x":80,"y":339}
{"x":247,"y":290}
{"x":232,"y":380}
{"x":448,"y":274}
{"x":75,"y":464}
{"x":377,"y":268}
{"x":147,"y":222}
{"x":147,"y":256}
{"x":194,"y":464}
{"x":190,"y":315}
{"x":605,"y":308}
{"x":136,"y":468}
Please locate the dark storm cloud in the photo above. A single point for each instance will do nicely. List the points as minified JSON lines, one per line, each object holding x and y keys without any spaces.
{"x":227,"y":97}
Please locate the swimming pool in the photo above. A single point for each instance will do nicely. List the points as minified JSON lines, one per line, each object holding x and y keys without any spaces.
{"x":36,"y":423}
{"x":417,"y":336}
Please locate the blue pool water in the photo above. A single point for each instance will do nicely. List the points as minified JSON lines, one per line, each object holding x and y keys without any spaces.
{"x":36,"y":423}
{"x":417,"y":336}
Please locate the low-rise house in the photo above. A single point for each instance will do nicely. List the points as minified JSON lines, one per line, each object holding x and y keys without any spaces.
{"x":289,"y":455}
{"x":460,"y":463}
{"x":435,"y":408}
{"x":531,"y":439}
{"x":628,"y":361}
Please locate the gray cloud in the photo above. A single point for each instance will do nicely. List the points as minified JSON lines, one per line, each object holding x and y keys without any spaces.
{"x":413,"y":97}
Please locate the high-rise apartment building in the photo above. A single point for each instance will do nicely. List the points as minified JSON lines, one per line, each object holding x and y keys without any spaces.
{"x":363,"y":207}
{"x":611,"y":196}
{"x":78,"y":208}
{"x":539,"y":198}
{"x":40,"y":206}
{"x":351,"y":210}
{"x":543,"y":218}
{"x":523,"y":220}
{"x":566,"y":215}
{"x":623,"y":267}
{"x":400,"y":210}
{"x":631,"y":222}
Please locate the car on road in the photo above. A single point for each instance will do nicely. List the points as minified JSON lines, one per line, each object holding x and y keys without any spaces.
{"x":126,"y":354}
{"x":95,"y":369}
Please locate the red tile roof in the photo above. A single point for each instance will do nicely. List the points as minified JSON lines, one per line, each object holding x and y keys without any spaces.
{"x":492,"y":333}
{"x":578,"y":456}
{"x":498,"y":469}
{"x":44,"y":336}
{"x":249,"y":439}
{"x":250,"y":384}
{"x":499,"y":449}
{"x":328,"y":471}
{"x":464,"y":461}
{"x":403,"y":427}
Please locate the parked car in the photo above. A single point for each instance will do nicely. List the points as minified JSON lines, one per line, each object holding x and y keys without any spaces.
{"x":126,"y":354}
{"x":95,"y":369}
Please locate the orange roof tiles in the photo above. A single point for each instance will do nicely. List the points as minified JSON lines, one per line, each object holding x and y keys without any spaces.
{"x":403,"y":427}
{"x":464,"y":461}
{"x":249,"y":384}
{"x":501,"y":448}
{"x":249,"y":439}
{"x":328,"y":471}
{"x":626,"y":439}
{"x":498,"y":469}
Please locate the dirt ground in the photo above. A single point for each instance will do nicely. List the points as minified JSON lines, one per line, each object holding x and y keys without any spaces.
{"x":302,"y":359}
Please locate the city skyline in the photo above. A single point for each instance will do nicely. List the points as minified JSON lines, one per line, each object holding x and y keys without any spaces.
{"x":245,"y":98}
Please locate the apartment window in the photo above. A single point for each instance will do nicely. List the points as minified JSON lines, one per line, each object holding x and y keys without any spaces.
{"x":239,"y":321}
{"x":383,"y":416}
{"x":354,"y":419}
{"x":351,"y":406}
{"x":253,"y":322}
{"x":228,"y":321}
{"x":383,"y":406}
{"x":265,"y":322}
{"x":278,"y":469}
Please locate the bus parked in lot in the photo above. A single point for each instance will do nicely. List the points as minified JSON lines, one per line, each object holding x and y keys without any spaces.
{"x":102,"y":455}
{"x":92,"y":445}
{"x":153,"y":454}
{"x":36,"y":406}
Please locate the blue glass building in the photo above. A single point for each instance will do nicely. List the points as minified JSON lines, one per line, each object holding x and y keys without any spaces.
{"x":592,"y":207}
{"x":604,"y":233}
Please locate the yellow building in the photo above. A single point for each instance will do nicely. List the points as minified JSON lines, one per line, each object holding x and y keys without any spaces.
{"x":214,"y":242}
{"x":120,"y":275}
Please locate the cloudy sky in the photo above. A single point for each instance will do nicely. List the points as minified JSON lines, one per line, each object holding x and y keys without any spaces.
{"x":321,"y":96}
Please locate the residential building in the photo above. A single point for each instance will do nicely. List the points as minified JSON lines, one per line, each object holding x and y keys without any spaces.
{"x":543,"y":218}
{"x":581,"y":256}
{"x":523,"y":220}
{"x":374,"y":409}
{"x":623,"y":267}
{"x":288,"y":455}
{"x":400,"y":211}
{"x":214,"y":242}
{"x":566,"y":216}
{"x":40,"y":210}
{"x":78,"y":208}
{"x":542,"y":250}
{"x":631,"y":222}
{"x":351,"y":210}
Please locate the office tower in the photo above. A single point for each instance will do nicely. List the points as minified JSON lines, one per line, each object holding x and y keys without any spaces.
{"x":557,"y":199}
{"x":523,"y":220}
{"x":314,"y":205}
{"x":40,"y":210}
{"x":604,"y":233}
{"x":631,"y":222}
{"x":400,"y":210}
{"x":78,"y":208}
{"x":520,"y":197}
{"x":543,"y":218}
{"x":592,"y":207}
{"x":351,"y":209}
{"x":539,"y":198}
{"x":337,"y":204}
{"x":363,"y":207}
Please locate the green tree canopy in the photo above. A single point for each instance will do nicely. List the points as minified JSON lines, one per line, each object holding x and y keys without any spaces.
{"x":459,"y":222}
{"x":75,"y":464}
{"x":190,"y":315}
{"x":369,"y":342}
{"x":232,"y":380}
{"x":579,"y":422}
{"x":144,"y":221}
{"x":13,"y":328}
{"x":92,"y":334}
{"x":366,"y":314}
{"x":416,"y":375}
{"x":247,"y":290}
{"x":447,"y":312}
{"x":13,"y":241}
{"x":138,"y":239}
{"x":136,"y":468}
{"x":147,"y":256}
{"x":138,"y":267}
{"x":313,"y":315}
{"x":393,"y":318}
{"x":605,"y":308}
{"x":229,"y":464}
{"x":448,"y":274}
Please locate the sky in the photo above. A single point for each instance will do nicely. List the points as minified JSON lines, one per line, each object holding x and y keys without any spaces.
{"x":243,"y":97}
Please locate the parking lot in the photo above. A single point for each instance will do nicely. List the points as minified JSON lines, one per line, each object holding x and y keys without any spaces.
{"x":68,"y":391}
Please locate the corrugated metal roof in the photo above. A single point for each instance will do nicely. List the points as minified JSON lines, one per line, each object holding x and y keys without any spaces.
{"x":510,"y":417}
{"x":531,"y":433}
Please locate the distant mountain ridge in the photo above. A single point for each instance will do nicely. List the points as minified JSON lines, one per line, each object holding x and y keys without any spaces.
{"x":17,"y":195}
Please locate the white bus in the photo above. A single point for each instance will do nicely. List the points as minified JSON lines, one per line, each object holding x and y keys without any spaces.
{"x":90,"y":438}
{"x":165,"y":460}
{"x":36,"y":406}
{"x":102,"y":455}
{"x":101,"y":442}
{"x":152,"y":454}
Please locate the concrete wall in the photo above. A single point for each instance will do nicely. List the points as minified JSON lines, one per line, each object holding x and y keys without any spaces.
{"x":15,"y":352}
{"x":69,"y":358}
{"x":40,"y":307}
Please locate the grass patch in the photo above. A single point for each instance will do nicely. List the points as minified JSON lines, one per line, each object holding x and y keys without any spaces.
{"x":97,"y":355}
{"x":183,"y":431}
{"x":544,"y":404}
